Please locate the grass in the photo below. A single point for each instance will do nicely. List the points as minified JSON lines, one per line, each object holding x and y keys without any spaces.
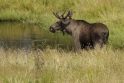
{"x":40,"y":12}
{"x":58,"y":66}
{"x":55,"y":66}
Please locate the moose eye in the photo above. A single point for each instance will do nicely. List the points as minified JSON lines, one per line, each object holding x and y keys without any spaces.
{"x":59,"y":23}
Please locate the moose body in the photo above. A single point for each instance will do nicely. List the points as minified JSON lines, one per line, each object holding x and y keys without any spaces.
{"x":85,"y":35}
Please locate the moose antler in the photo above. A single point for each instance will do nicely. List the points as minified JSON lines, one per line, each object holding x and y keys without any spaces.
{"x":69,"y":14}
{"x":56,"y":15}
{"x":63,"y":14}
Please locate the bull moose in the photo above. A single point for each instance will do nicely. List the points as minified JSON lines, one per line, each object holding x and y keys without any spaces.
{"x":85,"y":35}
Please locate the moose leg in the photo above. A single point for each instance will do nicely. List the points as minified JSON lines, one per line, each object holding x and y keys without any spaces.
{"x":77,"y":43}
{"x":98,"y":43}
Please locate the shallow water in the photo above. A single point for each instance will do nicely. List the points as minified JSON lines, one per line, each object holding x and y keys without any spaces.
{"x":28,"y":36}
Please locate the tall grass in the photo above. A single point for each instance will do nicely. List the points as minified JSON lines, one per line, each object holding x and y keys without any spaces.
{"x":53,"y":66}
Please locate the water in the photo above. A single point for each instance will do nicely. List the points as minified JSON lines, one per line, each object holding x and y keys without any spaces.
{"x":28,"y":36}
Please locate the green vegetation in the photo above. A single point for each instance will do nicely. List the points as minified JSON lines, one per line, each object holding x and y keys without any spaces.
{"x":40,"y":12}
{"x":57,"y":66}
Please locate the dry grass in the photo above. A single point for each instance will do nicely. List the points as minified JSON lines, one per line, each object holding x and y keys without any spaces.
{"x":54,"y":66}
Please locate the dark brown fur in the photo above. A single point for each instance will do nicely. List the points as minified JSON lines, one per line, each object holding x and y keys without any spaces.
{"x":85,"y":35}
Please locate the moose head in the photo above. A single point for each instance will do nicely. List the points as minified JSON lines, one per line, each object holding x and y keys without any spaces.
{"x":63,"y":21}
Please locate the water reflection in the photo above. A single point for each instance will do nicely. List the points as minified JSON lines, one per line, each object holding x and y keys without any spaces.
{"x":28,"y":36}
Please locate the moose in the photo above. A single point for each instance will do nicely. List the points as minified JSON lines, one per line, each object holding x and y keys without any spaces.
{"x":85,"y":35}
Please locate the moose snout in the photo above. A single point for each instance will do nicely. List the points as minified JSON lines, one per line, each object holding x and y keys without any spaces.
{"x":51,"y":29}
